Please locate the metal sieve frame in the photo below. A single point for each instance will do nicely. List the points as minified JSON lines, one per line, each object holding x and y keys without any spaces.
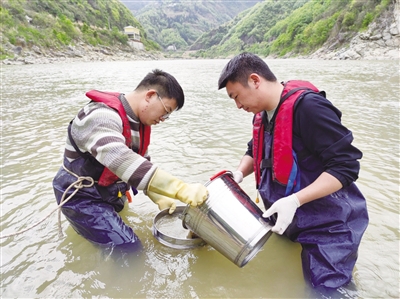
{"x":176,"y":243}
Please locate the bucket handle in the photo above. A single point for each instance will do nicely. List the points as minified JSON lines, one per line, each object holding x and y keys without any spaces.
{"x":218,"y":174}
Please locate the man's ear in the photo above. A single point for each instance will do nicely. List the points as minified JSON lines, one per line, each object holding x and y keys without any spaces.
{"x":254,"y":79}
{"x":149,"y":94}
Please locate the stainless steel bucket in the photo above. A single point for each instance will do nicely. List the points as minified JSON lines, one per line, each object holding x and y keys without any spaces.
{"x":228,"y":220}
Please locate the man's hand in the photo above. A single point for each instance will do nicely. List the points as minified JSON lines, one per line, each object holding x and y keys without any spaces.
{"x":237,"y":176}
{"x":285,"y":208}
{"x":163,"y":202}
{"x":163,"y":183}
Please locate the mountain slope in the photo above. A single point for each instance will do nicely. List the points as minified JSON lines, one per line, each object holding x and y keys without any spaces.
{"x":291,"y":27}
{"x":180,"y":23}
{"x":49,"y":24}
{"x":247,"y":28}
{"x":135,"y":5}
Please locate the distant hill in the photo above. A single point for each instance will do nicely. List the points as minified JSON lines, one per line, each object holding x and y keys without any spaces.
{"x":202,"y":28}
{"x":248,"y":27}
{"x":135,"y":5}
{"x":179,"y":23}
{"x":56,"y":25}
{"x":291,"y":27}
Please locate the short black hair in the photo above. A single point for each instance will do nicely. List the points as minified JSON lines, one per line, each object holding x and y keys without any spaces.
{"x":239,"y":68}
{"x":165,"y":84}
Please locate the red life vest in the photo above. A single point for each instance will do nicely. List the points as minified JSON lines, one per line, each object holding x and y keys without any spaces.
{"x":258,"y":145}
{"x":111,"y":99}
{"x":282,"y":151}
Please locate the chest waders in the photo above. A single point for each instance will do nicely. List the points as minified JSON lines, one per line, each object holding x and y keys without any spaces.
{"x":93,"y":211}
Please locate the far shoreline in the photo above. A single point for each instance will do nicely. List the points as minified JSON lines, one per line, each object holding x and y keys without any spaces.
{"x":42,"y":60}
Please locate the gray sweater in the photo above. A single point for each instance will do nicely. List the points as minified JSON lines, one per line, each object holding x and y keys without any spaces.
{"x":97,"y":129}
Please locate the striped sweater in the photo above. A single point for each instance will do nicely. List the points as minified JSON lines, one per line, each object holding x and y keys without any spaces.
{"x":97,"y":129}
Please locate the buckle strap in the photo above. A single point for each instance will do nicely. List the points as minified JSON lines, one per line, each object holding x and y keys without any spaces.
{"x":265,"y":163}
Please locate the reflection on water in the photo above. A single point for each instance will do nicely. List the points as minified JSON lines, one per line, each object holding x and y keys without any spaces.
{"x":209,"y":134}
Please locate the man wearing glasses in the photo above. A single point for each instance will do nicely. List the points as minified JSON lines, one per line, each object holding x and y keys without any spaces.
{"x":106,"y":155}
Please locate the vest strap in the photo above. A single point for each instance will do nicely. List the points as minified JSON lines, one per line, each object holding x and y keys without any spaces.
{"x":265,"y":163}
{"x":283,"y":160}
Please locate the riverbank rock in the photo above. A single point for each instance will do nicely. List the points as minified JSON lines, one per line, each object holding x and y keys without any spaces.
{"x":82,"y":52}
{"x":380,"y":42}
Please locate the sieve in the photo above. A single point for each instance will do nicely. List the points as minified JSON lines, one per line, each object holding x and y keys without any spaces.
{"x":168,"y":229}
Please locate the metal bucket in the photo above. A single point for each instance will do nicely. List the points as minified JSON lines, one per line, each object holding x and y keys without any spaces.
{"x":228,"y":220}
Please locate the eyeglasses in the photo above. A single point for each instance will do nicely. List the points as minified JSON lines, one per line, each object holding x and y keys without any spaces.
{"x":165,"y":116}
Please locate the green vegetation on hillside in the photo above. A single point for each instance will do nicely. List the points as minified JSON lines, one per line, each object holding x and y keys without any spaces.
{"x":312,"y":25}
{"x":269,"y":27}
{"x":56,"y":24}
{"x":180,"y":22}
{"x":293,"y":27}
{"x":248,"y":27}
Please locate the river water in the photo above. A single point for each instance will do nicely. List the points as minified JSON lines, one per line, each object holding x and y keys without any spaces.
{"x":208,"y":135}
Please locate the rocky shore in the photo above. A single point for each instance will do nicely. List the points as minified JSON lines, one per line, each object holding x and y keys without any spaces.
{"x":82,"y":52}
{"x":380,"y":42}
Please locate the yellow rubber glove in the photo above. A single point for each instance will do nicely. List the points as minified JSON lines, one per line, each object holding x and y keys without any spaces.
{"x":163,"y":202}
{"x":165,"y":184}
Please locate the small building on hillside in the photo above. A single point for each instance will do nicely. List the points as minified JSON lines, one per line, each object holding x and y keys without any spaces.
{"x":133,"y":34}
